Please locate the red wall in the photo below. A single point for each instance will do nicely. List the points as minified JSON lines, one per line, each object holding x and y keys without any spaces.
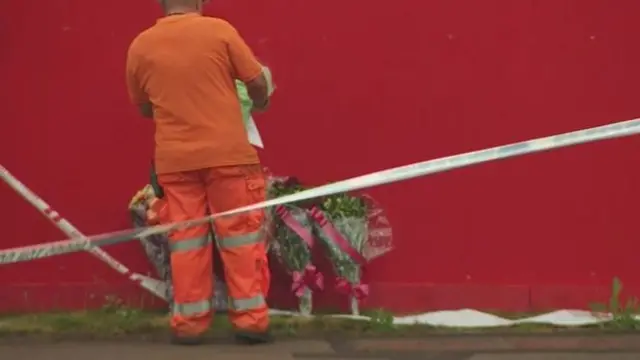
{"x":368,"y":85}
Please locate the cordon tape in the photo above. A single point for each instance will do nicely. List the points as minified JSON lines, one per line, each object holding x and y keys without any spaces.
{"x":156,"y":287}
{"x":615,"y":130}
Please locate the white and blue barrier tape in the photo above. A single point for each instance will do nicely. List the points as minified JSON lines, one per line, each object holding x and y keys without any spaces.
{"x":616,"y":130}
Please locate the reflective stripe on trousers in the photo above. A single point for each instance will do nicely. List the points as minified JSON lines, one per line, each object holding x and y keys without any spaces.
{"x":240,"y":240}
{"x":198,"y":307}
{"x":191,"y":309}
{"x":248,"y":304}
{"x":246,"y":279}
{"x":190,"y":244}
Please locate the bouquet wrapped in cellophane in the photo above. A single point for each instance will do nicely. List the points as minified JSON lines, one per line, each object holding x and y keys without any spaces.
{"x":292,"y":242}
{"x":354,"y":230}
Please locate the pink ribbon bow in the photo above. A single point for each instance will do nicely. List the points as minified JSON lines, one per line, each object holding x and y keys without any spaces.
{"x":308,"y":278}
{"x":359,"y":291}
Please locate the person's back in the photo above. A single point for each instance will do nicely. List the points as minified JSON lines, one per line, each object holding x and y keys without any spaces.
{"x":187,"y":71}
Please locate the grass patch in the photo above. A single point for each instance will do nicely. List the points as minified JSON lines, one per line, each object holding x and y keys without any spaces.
{"x":136,"y":324}
{"x":623,"y":314}
{"x":115,"y":320}
{"x":108,"y":325}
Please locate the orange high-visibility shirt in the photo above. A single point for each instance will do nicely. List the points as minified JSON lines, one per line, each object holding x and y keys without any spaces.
{"x":185,"y":66}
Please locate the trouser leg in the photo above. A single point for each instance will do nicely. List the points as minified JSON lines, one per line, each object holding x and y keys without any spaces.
{"x":242,"y":243}
{"x":191,"y":255}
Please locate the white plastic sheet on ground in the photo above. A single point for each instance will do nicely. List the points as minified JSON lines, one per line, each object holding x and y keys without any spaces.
{"x":469,"y":318}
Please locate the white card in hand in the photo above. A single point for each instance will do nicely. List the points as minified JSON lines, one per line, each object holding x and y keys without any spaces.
{"x":253,"y":133}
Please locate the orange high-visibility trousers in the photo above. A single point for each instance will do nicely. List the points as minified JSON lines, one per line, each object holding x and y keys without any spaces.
{"x":241,"y":240}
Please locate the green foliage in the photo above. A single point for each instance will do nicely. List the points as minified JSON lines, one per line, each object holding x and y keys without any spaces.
{"x":344,"y":206}
{"x":335,"y":206}
{"x":623,"y":315}
{"x":381,"y":321}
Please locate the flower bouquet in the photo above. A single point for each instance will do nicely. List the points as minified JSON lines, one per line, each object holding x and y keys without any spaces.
{"x":354,"y":231}
{"x":292,"y":241}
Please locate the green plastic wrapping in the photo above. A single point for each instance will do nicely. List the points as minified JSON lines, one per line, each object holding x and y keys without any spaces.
{"x":246,"y":104}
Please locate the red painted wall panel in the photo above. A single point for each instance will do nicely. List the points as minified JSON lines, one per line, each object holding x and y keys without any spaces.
{"x":362,"y":86}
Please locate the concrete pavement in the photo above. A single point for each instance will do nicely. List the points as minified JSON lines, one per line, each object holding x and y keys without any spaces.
{"x":437,"y":347}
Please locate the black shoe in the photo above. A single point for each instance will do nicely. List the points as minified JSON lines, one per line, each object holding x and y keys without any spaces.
{"x":253,"y":338}
{"x":186,"y":340}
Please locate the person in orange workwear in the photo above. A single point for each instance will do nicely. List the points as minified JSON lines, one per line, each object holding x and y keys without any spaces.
{"x":181,"y":72}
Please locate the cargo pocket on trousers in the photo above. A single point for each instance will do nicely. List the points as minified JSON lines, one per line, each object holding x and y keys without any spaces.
{"x":256,"y":193}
